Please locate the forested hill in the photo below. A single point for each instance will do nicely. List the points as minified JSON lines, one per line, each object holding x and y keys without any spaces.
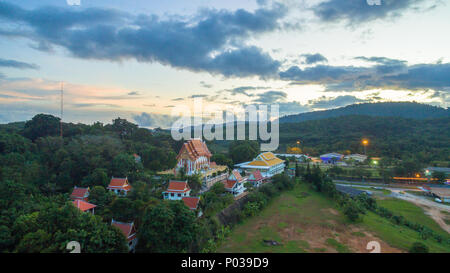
{"x":424,"y":140}
{"x":387,"y":109}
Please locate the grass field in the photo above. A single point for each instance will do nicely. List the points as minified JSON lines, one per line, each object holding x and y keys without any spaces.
{"x":303,"y":220}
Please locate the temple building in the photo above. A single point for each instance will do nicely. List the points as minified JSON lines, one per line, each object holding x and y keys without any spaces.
{"x":266,"y":163}
{"x":194,"y":157}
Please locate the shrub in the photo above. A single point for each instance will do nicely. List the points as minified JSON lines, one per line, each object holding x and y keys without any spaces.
{"x":418,"y":247}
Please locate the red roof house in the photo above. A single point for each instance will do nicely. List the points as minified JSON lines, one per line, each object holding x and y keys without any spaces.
{"x":119,"y":186}
{"x":177,"y":190}
{"x":191,"y":202}
{"x":80,"y":193}
{"x":129,"y":231}
{"x":234,"y":187}
{"x":84,"y":206}
{"x":256,"y":178}
{"x":236,"y":176}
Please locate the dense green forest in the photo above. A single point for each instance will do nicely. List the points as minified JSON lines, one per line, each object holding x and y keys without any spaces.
{"x":411,"y":110}
{"x":422,"y":140}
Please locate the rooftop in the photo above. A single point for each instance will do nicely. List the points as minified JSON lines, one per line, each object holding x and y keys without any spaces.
{"x":191,"y":202}
{"x":82,"y":205}
{"x":178,"y":186}
{"x":79,"y":192}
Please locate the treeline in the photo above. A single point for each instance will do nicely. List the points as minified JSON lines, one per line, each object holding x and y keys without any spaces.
{"x":411,"y":110}
{"x":39,"y":168}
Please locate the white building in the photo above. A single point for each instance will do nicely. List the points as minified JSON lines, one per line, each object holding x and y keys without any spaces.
{"x":267,"y":163}
{"x":177,"y":190}
{"x":356,"y":157}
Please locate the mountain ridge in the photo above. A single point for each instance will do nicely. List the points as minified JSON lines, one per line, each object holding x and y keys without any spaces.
{"x":412,"y":110}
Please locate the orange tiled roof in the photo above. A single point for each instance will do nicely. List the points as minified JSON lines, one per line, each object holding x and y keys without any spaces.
{"x":82,"y":205}
{"x":178,"y":186}
{"x":229,"y":184}
{"x":119,"y":183}
{"x":191,"y":202}
{"x":237,"y":175}
{"x":195,"y":148}
{"x":79,"y":193}
{"x":127,"y":228}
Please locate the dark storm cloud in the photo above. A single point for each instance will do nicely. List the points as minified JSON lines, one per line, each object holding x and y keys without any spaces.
{"x":17,"y":64}
{"x":322,"y":73}
{"x":213,"y":41}
{"x":359,"y":11}
{"x":384,"y":73}
{"x":314,"y":58}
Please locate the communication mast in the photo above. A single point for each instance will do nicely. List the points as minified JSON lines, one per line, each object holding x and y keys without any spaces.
{"x":62,"y":110}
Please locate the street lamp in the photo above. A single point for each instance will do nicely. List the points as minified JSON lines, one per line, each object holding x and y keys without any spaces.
{"x":365,"y":142}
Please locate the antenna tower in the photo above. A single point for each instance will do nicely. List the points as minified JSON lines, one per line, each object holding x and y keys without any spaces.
{"x":62,"y":110}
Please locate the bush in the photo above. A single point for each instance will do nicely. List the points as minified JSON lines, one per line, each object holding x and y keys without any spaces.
{"x":351,"y":210}
{"x":418,"y":247}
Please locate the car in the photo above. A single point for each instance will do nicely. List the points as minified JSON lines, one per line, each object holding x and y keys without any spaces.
{"x":438,"y":200}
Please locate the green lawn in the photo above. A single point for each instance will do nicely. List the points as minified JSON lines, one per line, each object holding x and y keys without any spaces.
{"x":303,"y":220}
{"x":283,"y":221}
{"x":399,"y":236}
{"x":412,"y":213}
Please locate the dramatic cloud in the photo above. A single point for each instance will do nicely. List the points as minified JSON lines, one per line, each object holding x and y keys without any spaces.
{"x":243,"y":90}
{"x":17,"y":64}
{"x":271,"y":97}
{"x":359,"y":11}
{"x":154,"y":120}
{"x":314,"y":58}
{"x":212,"y":41}
{"x":385,"y":73}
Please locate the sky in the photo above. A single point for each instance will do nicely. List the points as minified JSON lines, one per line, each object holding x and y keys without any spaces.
{"x":141,"y":59}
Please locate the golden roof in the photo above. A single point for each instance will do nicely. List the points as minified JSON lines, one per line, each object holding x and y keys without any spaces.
{"x":266,"y":159}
